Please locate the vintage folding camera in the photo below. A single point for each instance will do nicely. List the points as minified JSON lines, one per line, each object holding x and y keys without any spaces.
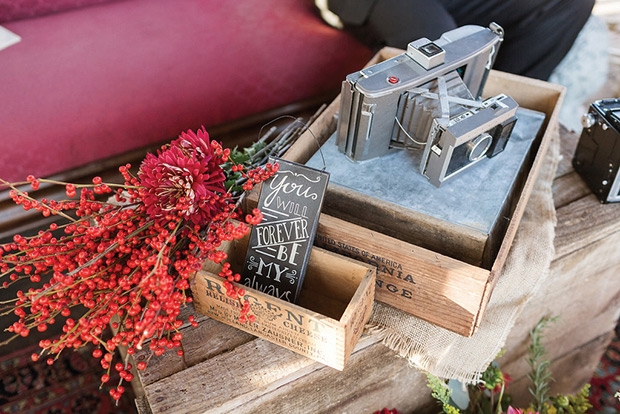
{"x":597,"y":156}
{"x":428,"y":99}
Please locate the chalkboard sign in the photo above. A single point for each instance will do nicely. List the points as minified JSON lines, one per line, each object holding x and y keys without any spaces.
{"x":280,"y":245}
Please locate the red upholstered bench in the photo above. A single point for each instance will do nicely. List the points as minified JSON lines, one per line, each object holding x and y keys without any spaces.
{"x":93,"y":82}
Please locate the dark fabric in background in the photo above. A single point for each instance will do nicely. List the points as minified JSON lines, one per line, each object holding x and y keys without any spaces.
{"x":539,"y":33}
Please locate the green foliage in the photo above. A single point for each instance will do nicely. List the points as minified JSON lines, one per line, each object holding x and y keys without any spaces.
{"x":539,"y":375}
{"x":571,"y":404}
{"x":442,"y":394}
{"x":492,"y":377}
{"x":486,"y":397}
{"x":243,"y":157}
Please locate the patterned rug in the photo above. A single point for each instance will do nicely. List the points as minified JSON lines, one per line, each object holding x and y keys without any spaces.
{"x":69,"y":386}
{"x":606,"y":380}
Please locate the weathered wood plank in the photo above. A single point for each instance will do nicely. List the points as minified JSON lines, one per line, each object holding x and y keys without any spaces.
{"x":160,"y":365}
{"x":373,"y":379}
{"x":569,"y":332}
{"x":208,"y":339}
{"x":343,"y":392}
{"x":575,"y":369}
{"x":228,"y":381}
{"x":142,"y":405}
{"x":568,"y":188}
{"x":580,"y":287}
{"x":583,"y":222}
{"x":567,"y":150}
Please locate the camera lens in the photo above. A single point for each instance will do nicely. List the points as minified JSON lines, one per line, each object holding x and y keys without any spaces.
{"x":478,"y":147}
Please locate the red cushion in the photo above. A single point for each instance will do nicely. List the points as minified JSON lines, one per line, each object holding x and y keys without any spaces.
{"x":22,"y":9}
{"x":100,"y":81}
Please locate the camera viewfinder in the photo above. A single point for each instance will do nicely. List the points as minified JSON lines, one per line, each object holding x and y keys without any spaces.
{"x":430,"y":49}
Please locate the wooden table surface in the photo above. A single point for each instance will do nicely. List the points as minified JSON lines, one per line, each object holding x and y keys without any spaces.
{"x":225,"y":370}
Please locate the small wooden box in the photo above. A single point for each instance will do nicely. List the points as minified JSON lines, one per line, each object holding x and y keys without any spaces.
{"x":334,"y":305}
{"x":452,"y":289}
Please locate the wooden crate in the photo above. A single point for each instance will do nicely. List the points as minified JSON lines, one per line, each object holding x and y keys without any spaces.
{"x":334,"y":305}
{"x":242,"y":374}
{"x":450,"y":291}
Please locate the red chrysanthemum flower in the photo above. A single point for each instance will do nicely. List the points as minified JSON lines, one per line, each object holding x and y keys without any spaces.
{"x":185,"y":178}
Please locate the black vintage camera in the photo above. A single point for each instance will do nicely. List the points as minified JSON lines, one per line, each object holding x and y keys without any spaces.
{"x":597,"y":156}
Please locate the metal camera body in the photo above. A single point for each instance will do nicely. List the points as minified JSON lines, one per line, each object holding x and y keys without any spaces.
{"x":431,"y":92}
{"x":597,"y":157}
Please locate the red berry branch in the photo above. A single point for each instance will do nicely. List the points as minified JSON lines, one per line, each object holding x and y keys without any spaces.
{"x":128,"y":261}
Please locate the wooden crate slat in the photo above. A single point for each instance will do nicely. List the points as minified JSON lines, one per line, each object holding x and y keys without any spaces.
{"x":581,"y":287}
{"x":569,"y":188}
{"x":567,"y":150}
{"x":456,"y":286}
{"x":227,"y":381}
{"x":414,"y":227}
{"x":208,"y":339}
{"x":374,"y":378}
{"x":570,"y":331}
{"x":584,"y":222}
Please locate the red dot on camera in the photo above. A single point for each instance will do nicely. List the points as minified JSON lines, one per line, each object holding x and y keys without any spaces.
{"x":393,"y":79}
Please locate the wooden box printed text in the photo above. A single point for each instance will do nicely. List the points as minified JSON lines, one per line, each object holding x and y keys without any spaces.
{"x":334,"y":305}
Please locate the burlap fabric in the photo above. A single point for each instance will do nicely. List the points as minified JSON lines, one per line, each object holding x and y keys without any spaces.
{"x":449,"y":355}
